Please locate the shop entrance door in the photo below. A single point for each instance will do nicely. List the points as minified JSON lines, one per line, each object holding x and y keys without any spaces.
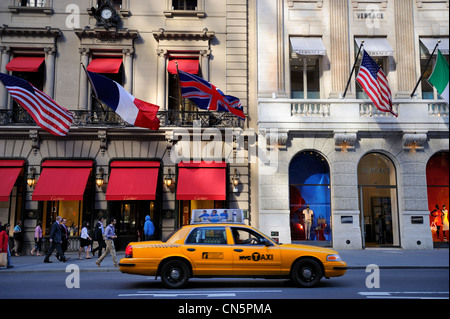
{"x":379,"y":226}
{"x":131,"y":219}
{"x":378,"y":201}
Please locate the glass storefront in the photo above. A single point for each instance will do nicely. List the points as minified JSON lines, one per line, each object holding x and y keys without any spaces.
{"x":438,"y":195}
{"x":309,"y":184}
{"x":378,"y":201}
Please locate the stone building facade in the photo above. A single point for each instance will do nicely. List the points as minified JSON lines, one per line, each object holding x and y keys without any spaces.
{"x":137,"y":46}
{"x":366,"y":174}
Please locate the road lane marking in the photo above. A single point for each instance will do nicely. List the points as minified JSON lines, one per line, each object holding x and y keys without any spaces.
{"x":405,"y":294}
{"x":195,"y":293}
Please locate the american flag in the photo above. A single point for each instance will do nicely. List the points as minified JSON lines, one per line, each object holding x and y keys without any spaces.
{"x":45,"y":112}
{"x":375,"y":84}
{"x":207,"y":96}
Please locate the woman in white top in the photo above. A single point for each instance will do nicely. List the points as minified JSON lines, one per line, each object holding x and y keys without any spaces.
{"x":85,"y":241}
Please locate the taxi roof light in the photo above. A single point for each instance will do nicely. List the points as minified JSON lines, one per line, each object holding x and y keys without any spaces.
{"x":227,"y":215}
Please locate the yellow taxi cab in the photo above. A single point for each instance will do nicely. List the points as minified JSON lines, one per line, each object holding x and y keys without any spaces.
{"x":228,"y":248}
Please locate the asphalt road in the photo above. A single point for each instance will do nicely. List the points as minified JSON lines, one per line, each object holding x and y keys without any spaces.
{"x":390,"y":284}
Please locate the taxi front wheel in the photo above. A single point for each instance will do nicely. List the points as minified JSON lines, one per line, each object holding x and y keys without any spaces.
{"x":175,"y":274}
{"x":306,"y":273}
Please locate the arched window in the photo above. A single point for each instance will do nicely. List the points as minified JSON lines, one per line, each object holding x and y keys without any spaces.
{"x":309,"y":184}
{"x":438,"y":189}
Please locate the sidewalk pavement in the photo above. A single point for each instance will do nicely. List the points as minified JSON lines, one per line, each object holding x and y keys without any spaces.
{"x":355,"y":259}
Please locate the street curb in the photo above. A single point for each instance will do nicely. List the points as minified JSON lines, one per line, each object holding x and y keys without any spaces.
{"x":401,"y":267}
{"x":9,"y":271}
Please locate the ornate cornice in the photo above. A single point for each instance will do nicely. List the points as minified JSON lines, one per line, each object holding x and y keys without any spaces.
{"x":22,"y":31}
{"x":162,"y":34}
{"x":102,"y":33}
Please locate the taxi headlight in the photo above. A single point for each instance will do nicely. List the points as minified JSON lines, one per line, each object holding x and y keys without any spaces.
{"x":333,"y":258}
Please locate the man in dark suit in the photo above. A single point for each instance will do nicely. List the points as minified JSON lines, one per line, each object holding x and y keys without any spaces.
{"x":55,"y":241}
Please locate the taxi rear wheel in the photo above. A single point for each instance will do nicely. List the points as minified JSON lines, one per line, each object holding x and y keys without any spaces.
{"x":306,"y":273}
{"x":175,"y":274}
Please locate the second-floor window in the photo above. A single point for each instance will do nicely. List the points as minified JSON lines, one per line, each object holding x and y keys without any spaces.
{"x":116,"y":4}
{"x":32,"y":3}
{"x":305,"y":65}
{"x":184,"y":5}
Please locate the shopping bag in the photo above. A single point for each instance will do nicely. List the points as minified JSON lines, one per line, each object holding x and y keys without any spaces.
{"x":3,"y":259}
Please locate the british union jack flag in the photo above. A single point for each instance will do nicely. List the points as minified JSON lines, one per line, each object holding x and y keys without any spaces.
{"x":207,"y":96}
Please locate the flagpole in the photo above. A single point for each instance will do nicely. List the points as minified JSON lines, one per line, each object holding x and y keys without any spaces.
{"x":424,"y":70}
{"x":179,"y":88}
{"x":90,"y":80}
{"x":353,"y":68}
{"x":95,"y":95}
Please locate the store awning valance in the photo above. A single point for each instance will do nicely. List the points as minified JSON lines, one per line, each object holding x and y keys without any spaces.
{"x":133,"y":180}
{"x":376,"y":46}
{"x":430,"y":43}
{"x":9,"y":171}
{"x":186,"y":65}
{"x":25,"y":64}
{"x":62,"y":180}
{"x":105,"y":65}
{"x":308,"y":46}
{"x":201,"y":181}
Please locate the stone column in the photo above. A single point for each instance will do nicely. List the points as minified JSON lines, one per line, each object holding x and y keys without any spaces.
{"x":50,"y":71}
{"x":83,"y":91}
{"x":128,"y":64}
{"x":340,"y":49}
{"x":205,"y":63}
{"x":404,"y":49}
{"x":3,"y":92}
{"x":162,"y":72}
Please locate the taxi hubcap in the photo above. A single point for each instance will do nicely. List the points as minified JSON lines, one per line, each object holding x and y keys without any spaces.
{"x":307,"y":273}
{"x":175,"y":274}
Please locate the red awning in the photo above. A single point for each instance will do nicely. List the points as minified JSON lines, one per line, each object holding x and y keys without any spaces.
{"x":189,"y":66}
{"x":9,"y":171}
{"x":133,"y":180}
{"x":105,"y":65}
{"x":62,"y":180}
{"x":25,"y":63}
{"x":201,"y":181}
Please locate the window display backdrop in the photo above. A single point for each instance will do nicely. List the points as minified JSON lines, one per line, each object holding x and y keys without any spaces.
{"x":309,"y":184}
{"x":438,"y":195}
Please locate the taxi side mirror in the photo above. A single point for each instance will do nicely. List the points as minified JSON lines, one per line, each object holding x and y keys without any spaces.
{"x":266,"y":242}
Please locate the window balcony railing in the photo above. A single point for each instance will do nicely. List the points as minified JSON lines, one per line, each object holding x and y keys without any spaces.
{"x":83,"y":118}
{"x":351,"y":114}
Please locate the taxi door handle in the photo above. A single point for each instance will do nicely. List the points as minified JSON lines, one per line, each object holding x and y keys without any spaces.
{"x":191,"y":249}
{"x":239,"y":250}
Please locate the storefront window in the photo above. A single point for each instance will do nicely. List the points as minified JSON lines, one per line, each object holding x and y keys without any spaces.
{"x":309,"y":184}
{"x":438,"y":195}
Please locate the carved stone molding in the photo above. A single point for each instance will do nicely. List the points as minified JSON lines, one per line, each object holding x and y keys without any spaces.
{"x":275,"y":137}
{"x":34,"y":136}
{"x":103,"y":137}
{"x":345,"y":141}
{"x":414,"y":141}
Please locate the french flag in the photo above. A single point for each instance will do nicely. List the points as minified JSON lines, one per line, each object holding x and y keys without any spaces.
{"x":132,"y":110}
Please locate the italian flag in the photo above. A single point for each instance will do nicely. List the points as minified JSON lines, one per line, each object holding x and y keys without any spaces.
{"x":439,"y":77}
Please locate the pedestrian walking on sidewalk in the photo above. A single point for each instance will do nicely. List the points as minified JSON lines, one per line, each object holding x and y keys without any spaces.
{"x":85,"y":241}
{"x":18,"y":237}
{"x":37,"y":239}
{"x":4,"y":244}
{"x":110,"y":235}
{"x":98,"y":237}
{"x":55,"y":242}
{"x":149,"y":228}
